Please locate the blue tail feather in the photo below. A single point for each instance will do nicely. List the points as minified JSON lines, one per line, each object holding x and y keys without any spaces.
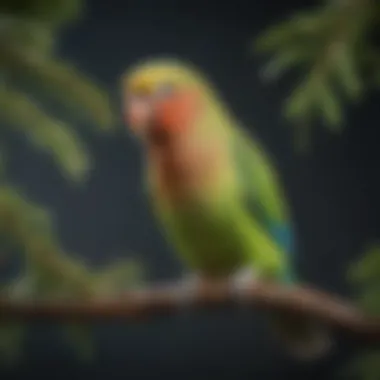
{"x":284,"y":237}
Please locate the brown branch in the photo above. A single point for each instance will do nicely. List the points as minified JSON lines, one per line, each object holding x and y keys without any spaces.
{"x":163,"y":300}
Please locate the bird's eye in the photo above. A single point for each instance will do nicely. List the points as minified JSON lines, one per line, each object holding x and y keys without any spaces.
{"x":165,"y":90}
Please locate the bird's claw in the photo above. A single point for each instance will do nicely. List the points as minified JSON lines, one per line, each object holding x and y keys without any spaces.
{"x":187,"y":290}
{"x":241,"y":282}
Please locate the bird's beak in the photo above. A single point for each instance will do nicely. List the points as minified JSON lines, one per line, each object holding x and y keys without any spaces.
{"x":139,"y":114}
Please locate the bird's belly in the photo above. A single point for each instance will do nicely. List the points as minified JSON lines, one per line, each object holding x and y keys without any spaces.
{"x":208,"y":241}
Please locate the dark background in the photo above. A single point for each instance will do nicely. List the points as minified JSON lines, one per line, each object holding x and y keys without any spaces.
{"x":333,"y":193}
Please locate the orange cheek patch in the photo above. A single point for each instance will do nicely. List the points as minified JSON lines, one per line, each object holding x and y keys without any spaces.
{"x":179,"y":111}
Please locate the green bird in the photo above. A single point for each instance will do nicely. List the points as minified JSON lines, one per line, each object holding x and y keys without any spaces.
{"x":213,"y":189}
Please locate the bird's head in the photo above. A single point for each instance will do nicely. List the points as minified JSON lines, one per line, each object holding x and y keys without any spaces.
{"x":162,"y":95}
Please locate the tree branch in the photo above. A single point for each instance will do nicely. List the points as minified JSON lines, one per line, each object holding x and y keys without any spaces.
{"x":332,"y":311}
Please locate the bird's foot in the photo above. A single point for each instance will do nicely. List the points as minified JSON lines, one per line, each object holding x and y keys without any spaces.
{"x":241,"y":281}
{"x":188,"y":288}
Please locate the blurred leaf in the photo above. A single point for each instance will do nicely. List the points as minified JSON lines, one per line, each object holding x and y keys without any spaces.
{"x":80,"y":339}
{"x":57,"y":274}
{"x":28,"y":32}
{"x":330,"y":106}
{"x":367,"y":269}
{"x":299,"y":108}
{"x":65,"y":145}
{"x":347,"y":73}
{"x":366,"y":276}
{"x":332,"y":40}
{"x":61,"y":80}
{"x":16,"y":214}
{"x":369,"y":300}
{"x":121,"y":274}
{"x":29,"y":227}
{"x":27,"y":35}
{"x":300,"y":102}
{"x":285,"y":60}
{"x":74,"y":90}
{"x":11,"y":340}
{"x":365,"y":367}
{"x":54,"y":12}
{"x":299,"y":30}
{"x":47,"y":133}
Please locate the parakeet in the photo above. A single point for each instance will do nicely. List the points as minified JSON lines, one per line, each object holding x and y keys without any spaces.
{"x":213,"y":188}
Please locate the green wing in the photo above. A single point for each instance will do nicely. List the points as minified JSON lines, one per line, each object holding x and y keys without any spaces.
{"x":261,"y":187}
{"x":263,"y":195}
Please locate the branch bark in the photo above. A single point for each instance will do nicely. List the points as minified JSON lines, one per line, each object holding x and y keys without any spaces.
{"x":157,"y":300}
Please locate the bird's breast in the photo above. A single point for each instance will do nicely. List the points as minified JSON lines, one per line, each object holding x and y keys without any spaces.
{"x":183,"y":170}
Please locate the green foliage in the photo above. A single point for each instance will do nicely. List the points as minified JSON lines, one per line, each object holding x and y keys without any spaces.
{"x":29,"y":71}
{"x":80,"y":338}
{"x":30,"y":68}
{"x":50,"y":273}
{"x":365,"y":275}
{"x":331,"y":46}
{"x":366,"y":272}
{"x":11,"y":339}
{"x":46,"y":132}
{"x":367,"y":366}
{"x":53,"y":12}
